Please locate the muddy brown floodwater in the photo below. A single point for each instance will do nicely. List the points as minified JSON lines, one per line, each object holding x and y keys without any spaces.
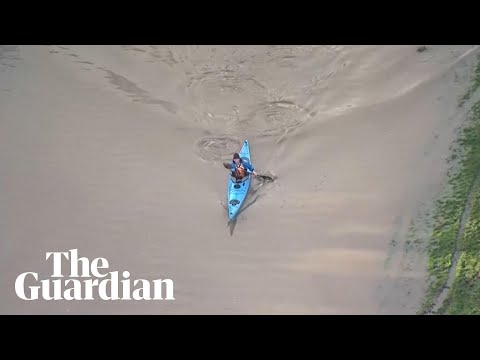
{"x":117,"y":151}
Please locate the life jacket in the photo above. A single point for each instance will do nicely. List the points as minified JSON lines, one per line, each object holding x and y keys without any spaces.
{"x":240,"y":171}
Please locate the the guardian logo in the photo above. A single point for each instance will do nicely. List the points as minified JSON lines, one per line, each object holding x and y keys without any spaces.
{"x":90,"y":283}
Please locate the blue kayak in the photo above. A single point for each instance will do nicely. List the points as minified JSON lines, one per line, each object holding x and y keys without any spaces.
{"x":238,"y":189}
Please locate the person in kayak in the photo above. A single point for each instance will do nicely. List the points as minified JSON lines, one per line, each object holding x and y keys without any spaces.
{"x":239,"y":168}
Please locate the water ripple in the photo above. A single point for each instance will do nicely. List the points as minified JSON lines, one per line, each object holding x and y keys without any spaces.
{"x":217,"y":148}
{"x":276,"y":117}
{"x":224,"y":80}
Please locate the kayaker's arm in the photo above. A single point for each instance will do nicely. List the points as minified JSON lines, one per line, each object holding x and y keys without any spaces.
{"x":231,"y":167}
{"x":251,"y":169}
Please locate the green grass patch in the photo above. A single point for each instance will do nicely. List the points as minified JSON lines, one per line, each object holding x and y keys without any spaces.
{"x":475,"y":85}
{"x":464,"y":296}
{"x":447,"y":219}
